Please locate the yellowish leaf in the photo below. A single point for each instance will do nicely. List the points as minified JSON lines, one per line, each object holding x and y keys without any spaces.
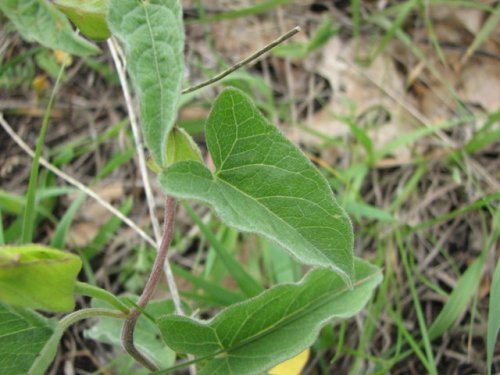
{"x":293,"y":366}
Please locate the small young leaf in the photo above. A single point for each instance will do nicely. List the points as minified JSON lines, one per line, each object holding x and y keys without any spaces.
{"x":38,"y":277}
{"x":40,"y":21}
{"x":89,"y":16}
{"x":257,"y":334}
{"x":23,"y":334}
{"x":180,"y":146}
{"x":264,"y":184}
{"x":153,"y":34}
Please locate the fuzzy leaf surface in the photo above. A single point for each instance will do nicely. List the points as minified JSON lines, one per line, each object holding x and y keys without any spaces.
{"x":89,"y":16}
{"x":40,"y":21}
{"x":38,"y":277}
{"x":255,"y":335}
{"x":23,"y":334}
{"x":153,"y":34}
{"x":266,"y":185}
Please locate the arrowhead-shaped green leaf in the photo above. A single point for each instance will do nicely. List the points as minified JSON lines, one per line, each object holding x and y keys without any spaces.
{"x":264,"y":184}
{"x":40,"y":21}
{"x":153,"y":34}
{"x":89,"y":16}
{"x":253,"y":336}
{"x":23,"y":334}
{"x":38,"y":277}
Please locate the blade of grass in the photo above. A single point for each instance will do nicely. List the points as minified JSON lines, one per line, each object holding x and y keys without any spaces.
{"x":488,"y":27}
{"x":408,"y":188}
{"x":214,"y":268}
{"x":107,"y":231}
{"x":430,"y":361}
{"x":14,"y":204}
{"x":419,"y":133}
{"x":478,"y":204}
{"x":247,"y":284}
{"x":361,"y":209}
{"x":61,"y":232}
{"x":261,"y":7}
{"x":29,"y":211}
{"x":356,"y":18}
{"x":486,"y":135}
{"x":458,"y":299}
{"x":465,"y":4}
{"x":223,"y":296}
{"x":493,"y":317}
{"x":117,"y":160}
{"x":425,"y":4}
{"x":2,"y":237}
{"x":394,"y":27}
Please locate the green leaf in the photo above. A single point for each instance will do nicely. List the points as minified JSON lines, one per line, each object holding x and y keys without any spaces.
{"x":493,"y":317}
{"x":23,"y":334}
{"x":180,"y":146}
{"x":264,"y":184}
{"x":40,"y":21}
{"x":146,"y":334}
{"x":278,"y":324}
{"x":459,"y":298}
{"x":89,"y":16}
{"x":38,"y":277}
{"x":153,"y":34}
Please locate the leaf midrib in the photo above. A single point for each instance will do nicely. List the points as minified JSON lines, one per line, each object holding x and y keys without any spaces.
{"x":289,"y":319}
{"x":158,"y":76}
{"x":280,"y":219}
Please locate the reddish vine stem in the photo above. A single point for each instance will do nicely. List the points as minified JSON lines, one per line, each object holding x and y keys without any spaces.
{"x":130,"y":322}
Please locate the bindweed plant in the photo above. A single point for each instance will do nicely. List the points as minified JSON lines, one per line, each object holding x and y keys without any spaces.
{"x":261,"y":183}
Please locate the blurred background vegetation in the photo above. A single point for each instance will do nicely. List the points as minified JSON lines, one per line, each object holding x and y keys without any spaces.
{"x":396,"y":101}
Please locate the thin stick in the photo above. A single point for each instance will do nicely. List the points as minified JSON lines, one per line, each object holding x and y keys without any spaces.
{"x":120,"y":68}
{"x":244,"y":62}
{"x":288,"y":74}
{"x":72,"y":181}
{"x":130,"y":322}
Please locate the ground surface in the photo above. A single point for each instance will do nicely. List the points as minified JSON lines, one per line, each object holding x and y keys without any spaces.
{"x":399,"y":108}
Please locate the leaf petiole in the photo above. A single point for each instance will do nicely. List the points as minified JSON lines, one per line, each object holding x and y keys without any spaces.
{"x":89,"y":290}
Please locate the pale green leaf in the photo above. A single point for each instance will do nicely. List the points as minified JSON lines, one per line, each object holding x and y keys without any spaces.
{"x":493,"y":317}
{"x":40,"y":21}
{"x":89,"y":16}
{"x":146,"y":335}
{"x":255,"y":335}
{"x":180,"y":146}
{"x":264,"y":184}
{"x":38,"y":277}
{"x":23,"y":334}
{"x":153,"y":34}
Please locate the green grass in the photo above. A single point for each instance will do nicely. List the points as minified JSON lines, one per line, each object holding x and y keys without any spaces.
{"x":222,"y":266}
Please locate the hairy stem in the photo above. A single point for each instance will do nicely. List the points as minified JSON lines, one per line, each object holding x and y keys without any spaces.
{"x":130,"y":322}
{"x":47,"y":354}
{"x":243,"y":62}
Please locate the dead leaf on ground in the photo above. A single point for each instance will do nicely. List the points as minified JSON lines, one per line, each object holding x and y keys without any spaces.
{"x":91,"y":215}
{"x":354,"y":96}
